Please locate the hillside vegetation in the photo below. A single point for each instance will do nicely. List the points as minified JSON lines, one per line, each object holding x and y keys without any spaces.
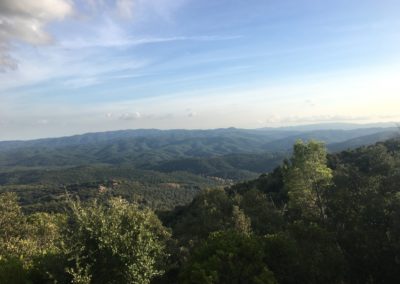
{"x":162,"y":169}
{"x":315,"y":218}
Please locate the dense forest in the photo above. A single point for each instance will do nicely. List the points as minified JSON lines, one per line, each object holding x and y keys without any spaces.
{"x":315,"y":218}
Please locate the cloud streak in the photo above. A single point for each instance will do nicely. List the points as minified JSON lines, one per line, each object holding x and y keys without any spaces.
{"x":126,"y":41}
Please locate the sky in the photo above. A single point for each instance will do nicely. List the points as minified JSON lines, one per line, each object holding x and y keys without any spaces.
{"x":77,"y":66}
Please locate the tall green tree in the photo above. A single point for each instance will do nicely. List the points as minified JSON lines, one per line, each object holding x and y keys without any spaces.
{"x":306,"y":179}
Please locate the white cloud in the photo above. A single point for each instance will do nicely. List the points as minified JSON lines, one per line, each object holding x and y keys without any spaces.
{"x":25,"y":20}
{"x":130,"y":116}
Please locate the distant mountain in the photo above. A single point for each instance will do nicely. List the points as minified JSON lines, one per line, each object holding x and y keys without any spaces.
{"x":234,"y":154}
{"x":155,"y":134}
{"x":153,"y":148}
{"x":363,"y":141}
{"x":331,"y":136}
{"x":166,"y":167}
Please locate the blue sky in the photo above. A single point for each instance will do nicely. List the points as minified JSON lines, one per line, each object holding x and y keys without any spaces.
{"x":70,"y":67}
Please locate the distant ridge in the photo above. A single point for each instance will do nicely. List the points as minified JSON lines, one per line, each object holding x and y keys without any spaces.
{"x":154,"y":131}
{"x":228,"y":153}
{"x":152,"y":146}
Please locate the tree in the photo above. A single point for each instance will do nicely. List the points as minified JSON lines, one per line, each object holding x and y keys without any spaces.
{"x":48,"y":259}
{"x":228,"y":258}
{"x":306,"y":178}
{"x":305,"y":253}
{"x":26,"y":241}
{"x":17,"y":244}
{"x":265,"y":217}
{"x":241,"y":223}
{"x":115,"y":242}
{"x":364,"y":209}
{"x":210,"y":211}
{"x":12,"y":224}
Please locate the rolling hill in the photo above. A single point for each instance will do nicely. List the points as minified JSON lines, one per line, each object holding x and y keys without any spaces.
{"x":152,"y":148}
{"x":166,"y":167}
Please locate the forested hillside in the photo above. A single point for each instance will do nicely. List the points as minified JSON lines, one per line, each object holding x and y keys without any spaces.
{"x":162,"y":169}
{"x":315,"y":218}
{"x":146,"y":148}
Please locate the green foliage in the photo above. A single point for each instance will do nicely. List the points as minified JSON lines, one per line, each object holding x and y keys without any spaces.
{"x":115,"y":242}
{"x":227,"y":258}
{"x":363,"y":210}
{"x":307,"y":177}
{"x":270,"y":184}
{"x":241,"y":223}
{"x":12,"y":271}
{"x":44,"y":190}
{"x":211,"y":211}
{"x":318,"y":252}
{"x":12,"y":225}
{"x":265,"y":218}
{"x":26,"y":241}
{"x":315,"y":219}
{"x":359,"y":238}
{"x":304,"y":254}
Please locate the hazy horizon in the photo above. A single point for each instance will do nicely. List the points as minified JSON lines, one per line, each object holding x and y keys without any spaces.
{"x":74,"y":66}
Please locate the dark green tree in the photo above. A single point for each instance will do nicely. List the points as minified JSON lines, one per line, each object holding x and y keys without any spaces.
{"x":305,"y":253}
{"x":210,"y":211}
{"x":265,"y":218}
{"x":227,"y":258}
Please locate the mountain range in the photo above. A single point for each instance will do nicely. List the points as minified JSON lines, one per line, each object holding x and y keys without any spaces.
{"x":165,"y":166}
{"x":195,"y":151}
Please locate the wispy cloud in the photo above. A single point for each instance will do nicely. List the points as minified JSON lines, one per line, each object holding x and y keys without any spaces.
{"x":90,"y":53}
{"x":128,"y":41}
